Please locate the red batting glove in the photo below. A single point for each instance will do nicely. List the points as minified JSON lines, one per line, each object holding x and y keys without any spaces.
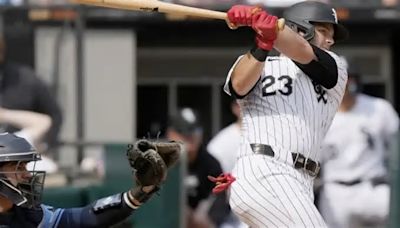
{"x":265,"y":25}
{"x":264,"y":44}
{"x":222,"y":182}
{"x":242,"y":14}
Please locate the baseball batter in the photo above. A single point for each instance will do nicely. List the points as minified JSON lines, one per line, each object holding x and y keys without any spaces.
{"x":287,"y":104}
{"x":355,"y":191}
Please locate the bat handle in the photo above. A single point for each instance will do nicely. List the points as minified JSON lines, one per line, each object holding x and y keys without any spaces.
{"x":280,"y":24}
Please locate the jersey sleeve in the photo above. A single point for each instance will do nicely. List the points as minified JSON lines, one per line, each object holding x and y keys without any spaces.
{"x":342,"y":72}
{"x":228,"y":78}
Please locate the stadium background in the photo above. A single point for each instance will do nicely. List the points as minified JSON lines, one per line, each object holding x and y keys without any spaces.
{"x":118,"y":74}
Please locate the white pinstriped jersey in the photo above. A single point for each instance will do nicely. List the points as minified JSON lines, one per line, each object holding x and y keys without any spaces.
{"x":356,"y":144}
{"x":287,"y":111}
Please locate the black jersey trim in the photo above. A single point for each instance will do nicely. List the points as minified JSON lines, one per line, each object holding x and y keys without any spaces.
{"x":236,"y":95}
{"x":323,"y":71}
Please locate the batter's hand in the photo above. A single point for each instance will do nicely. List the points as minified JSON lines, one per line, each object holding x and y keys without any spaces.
{"x":242,"y":15}
{"x":265,"y":25}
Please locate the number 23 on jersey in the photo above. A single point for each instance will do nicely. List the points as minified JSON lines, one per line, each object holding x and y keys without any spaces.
{"x":269,"y":89}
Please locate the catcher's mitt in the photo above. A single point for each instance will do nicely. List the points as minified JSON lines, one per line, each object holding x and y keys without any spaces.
{"x":169,"y":151}
{"x":149,"y":166}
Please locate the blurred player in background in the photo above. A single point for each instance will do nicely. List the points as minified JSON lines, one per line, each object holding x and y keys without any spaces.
{"x":21,"y":89}
{"x":33,"y":127}
{"x":223,"y":147}
{"x":185,"y":127}
{"x":355,"y":189}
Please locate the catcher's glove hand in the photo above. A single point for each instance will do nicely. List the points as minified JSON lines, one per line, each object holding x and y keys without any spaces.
{"x":169,"y":151}
{"x":149,"y":166}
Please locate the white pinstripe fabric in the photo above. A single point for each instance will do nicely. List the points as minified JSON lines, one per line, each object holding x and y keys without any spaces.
{"x":269,"y":193}
{"x":288,"y":112}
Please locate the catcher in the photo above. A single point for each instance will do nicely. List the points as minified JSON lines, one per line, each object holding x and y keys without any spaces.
{"x":20,"y":189}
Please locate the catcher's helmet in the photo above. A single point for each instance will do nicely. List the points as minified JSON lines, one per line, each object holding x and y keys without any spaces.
{"x":22,"y":187}
{"x":300,"y":17}
{"x":14,"y":148}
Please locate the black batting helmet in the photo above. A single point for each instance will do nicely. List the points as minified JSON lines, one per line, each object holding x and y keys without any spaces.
{"x":24,"y":191}
{"x":300,"y":17}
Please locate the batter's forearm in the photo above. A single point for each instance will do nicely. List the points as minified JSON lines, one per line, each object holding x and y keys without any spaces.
{"x":294,"y":46}
{"x":246,"y":74}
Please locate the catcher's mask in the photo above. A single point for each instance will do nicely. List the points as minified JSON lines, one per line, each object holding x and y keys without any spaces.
{"x":23,"y":187}
{"x":302,"y":15}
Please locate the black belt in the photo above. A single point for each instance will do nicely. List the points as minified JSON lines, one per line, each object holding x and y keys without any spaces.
{"x":299,"y":161}
{"x":349,"y":183}
{"x":374,"y":181}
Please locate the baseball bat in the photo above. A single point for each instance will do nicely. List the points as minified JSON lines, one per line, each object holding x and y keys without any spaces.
{"x":164,"y":7}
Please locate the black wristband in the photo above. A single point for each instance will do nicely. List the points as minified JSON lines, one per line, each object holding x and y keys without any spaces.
{"x":259,"y":54}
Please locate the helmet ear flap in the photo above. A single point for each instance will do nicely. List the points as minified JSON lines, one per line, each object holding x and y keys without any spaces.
{"x":292,"y":26}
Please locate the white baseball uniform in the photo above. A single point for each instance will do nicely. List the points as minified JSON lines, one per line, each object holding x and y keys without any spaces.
{"x":353,"y":154}
{"x":224,"y":146}
{"x":289,"y":112}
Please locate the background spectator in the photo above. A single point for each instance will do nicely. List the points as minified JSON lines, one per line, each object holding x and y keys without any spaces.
{"x":223,"y":147}
{"x":185,"y":127}
{"x":21,"y":89}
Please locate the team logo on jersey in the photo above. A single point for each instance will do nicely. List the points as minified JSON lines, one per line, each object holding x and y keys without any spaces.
{"x":334,"y":14}
{"x":369,"y":138}
{"x":321,"y":92}
{"x":330,"y":151}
